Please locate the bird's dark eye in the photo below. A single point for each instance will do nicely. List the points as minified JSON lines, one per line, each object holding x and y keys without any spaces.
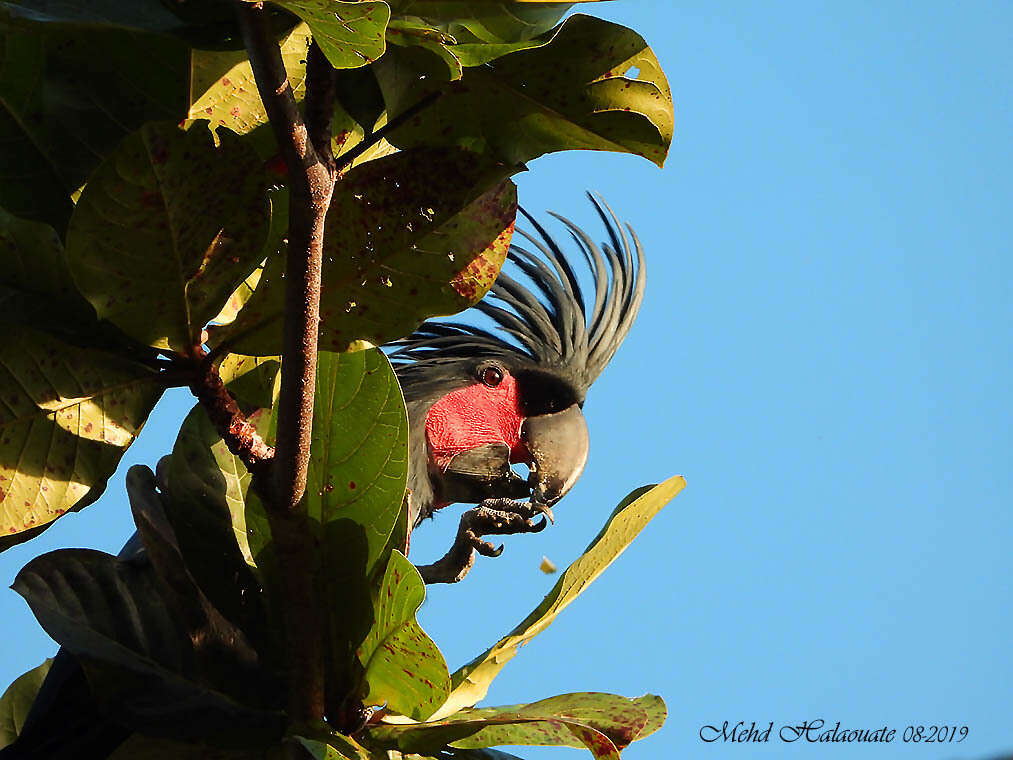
{"x":491,"y":376}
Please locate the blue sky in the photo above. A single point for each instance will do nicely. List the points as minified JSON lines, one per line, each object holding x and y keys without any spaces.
{"x":824,"y":353}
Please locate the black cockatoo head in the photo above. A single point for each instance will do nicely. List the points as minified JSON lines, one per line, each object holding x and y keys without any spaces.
{"x":479,"y":401}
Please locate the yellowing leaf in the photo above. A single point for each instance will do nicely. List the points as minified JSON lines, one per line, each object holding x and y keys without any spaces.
{"x":471,"y":682}
{"x":66,"y":417}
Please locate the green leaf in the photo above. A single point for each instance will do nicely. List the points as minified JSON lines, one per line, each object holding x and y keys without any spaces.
{"x":489,"y":20}
{"x":404,"y":668}
{"x":207,"y":494}
{"x":67,"y":97}
{"x":338,"y":746}
{"x":571,"y":93}
{"x":141,"y":664}
{"x":622,"y":720}
{"x":358,"y":467}
{"x":471,"y":682}
{"x":17,"y":701}
{"x":166,"y":230}
{"x":350,"y":34}
{"x":67,"y":415}
{"x":36,"y":288}
{"x":407,"y":33}
{"x":253,"y":381}
{"x":603,"y":723}
{"x":414,"y":235}
{"x":356,"y":481}
{"x":225,"y":92}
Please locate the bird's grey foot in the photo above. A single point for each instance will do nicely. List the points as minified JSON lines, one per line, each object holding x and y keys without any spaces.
{"x":499,"y":517}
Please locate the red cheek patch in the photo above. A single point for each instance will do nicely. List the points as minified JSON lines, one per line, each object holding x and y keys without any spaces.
{"x":473,"y":417}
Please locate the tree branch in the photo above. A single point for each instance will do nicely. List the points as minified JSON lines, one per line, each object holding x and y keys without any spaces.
{"x":239,"y":433}
{"x":311,"y":183}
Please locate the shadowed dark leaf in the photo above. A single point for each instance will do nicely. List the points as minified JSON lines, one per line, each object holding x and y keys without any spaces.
{"x":68,"y":96}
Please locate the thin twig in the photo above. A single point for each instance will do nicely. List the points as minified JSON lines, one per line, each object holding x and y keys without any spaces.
{"x":239,"y":434}
{"x":346,"y":159}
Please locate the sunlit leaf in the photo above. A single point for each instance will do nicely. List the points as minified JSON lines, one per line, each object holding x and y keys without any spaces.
{"x":602,"y":723}
{"x":622,"y":720}
{"x":337,"y":747}
{"x":355,"y":486}
{"x":157,"y":244}
{"x":359,"y":455}
{"x":595,"y":85}
{"x":471,"y":682}
{"x":224,"y":90}
{"x":410,"y":236}
{"x":17,"y":701}
{"x":66,"y":417}
{"x":350,"y":34}
{"x":68,"y":96}
{"x":404,"y":668}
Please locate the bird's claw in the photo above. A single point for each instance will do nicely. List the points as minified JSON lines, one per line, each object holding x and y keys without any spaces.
{"x":491,"y":517}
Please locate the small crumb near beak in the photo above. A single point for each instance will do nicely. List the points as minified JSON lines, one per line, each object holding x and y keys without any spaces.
{"x":548,"y":566}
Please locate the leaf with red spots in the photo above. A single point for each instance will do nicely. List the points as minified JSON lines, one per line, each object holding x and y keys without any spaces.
{"x":471,"y":682}
{"x":356,"y":480}
{"x":350,"y":34}
{"x":68,"y":95}
{"x":417,"y":234}
{"x":403,"y":666}
{"x":166,"y":229}
{"x":603,"y":723}
{"x":594,"y":85}
{"x":66,"y":417}
{"x":224,"y":90}
{"x":17,"y":700}
{"x":358,"y":466}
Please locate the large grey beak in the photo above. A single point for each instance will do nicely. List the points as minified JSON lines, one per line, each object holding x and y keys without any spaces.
{"x":558,"y":444}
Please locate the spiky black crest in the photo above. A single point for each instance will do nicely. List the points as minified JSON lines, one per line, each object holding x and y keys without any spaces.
{"x":554,"y":328}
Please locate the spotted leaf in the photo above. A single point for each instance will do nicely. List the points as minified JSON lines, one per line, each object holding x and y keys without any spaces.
{"x":417,"y":234}
{"x":165,"y":231}
{"x":66,"y":417}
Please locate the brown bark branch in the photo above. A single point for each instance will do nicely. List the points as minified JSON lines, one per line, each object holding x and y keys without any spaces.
{"x":311,"y":183}
{"x":239,"y":433}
